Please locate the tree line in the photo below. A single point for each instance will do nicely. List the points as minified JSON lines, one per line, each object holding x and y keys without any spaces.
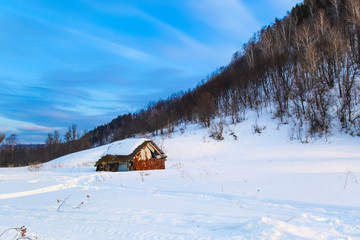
{"x":304,"y":67}
{"x":12,"y":153}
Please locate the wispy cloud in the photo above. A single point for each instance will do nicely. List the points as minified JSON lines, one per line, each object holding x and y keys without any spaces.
{"x":174,"y":41}
{"x":186,"y":40}
{"x":90,"y":35}
{"x":110,"y":46}
{"x":93,"y":103}
{"x":231,"y":17}
{"x":16,"y":126}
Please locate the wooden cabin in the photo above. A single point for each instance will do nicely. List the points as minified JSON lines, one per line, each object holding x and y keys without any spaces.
{"x":130,"y":155}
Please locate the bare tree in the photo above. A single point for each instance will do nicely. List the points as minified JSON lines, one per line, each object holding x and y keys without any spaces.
{"x":353,"y":8}
{"x":11,"y":142}
{"x":312,"y":58}
{"x":338,"y":46}
{"x":56,"y":135}
{"x":353,"y":16}
{"x":74,"y":133}
{"x":267,"y":42}
{"x":249,"y":52}
{"x":312,"y":7}
{"x":205,"y":108}
{"x":283,"y":30}
{"x":336,"y":8}
{"x":304,"y":36}
{"x":71,"y":134}
{"x":322,"y":23}
{"x":67,"y":136}
{"x":2,"y":136}
{"x":53,"y":138}
{"x":49,"y":139}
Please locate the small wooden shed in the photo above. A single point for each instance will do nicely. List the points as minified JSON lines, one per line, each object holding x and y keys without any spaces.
{"x":130,"y":155}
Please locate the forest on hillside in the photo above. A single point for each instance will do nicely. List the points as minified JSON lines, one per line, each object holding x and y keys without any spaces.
{"x":304,"y":67}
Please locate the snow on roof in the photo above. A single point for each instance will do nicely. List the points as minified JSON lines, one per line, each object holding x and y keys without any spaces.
{"x":124,"y":147}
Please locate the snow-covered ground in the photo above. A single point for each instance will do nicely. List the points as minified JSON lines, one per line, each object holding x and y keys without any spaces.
{"x":256,"y":187}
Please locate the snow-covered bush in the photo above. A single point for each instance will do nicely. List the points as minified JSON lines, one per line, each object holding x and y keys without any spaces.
{"x":35,"y":166}
{"x":216,"y":131}
{"x":16,"y":233}
{"x":256,"y":128}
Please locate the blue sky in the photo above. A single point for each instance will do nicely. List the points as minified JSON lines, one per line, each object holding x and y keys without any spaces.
{"x":85,"y":62}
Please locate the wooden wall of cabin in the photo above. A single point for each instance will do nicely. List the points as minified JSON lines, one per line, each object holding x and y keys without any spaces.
{"x":149,"y":164}
{"x":110,"y":167}
{"x":143,"y":161}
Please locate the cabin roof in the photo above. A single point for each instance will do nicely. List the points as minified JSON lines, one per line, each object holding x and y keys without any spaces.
{"x":124,"y":150}
{"x":124,"y":147}
{"x":113,"y":159}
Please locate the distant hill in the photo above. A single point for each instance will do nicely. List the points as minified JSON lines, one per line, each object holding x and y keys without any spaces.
{"x":305,"y":65}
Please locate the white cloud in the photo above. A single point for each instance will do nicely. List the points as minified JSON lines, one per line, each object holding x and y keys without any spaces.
{"x":111,"y":46}
{"x":94,"y":40}
{"x":176,"y":43}
{"x":187,"y":40}
{"x":231,"y":17}
{"x":96,"y":102}
{"x":16,"y":126}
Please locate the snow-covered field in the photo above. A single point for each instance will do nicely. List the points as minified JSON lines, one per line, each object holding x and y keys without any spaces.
{"x":256,"y":187}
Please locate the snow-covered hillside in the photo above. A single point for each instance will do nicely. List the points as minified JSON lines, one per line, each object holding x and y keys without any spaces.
{"x":260,"y":186}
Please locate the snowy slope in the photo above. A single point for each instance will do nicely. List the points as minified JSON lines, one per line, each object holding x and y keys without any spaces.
{"x":256,"y":187}
{"x":88,"y":158}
